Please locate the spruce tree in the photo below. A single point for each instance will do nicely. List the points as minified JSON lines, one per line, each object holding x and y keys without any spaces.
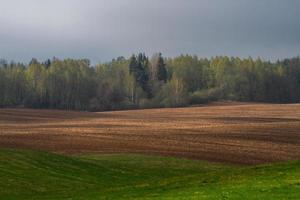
{"x":161,"y":69}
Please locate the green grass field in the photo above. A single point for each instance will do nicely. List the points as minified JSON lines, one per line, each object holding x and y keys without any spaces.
{"x":39,"y":175}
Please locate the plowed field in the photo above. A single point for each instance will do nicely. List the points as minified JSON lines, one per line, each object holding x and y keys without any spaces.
{"x":230,"y":133}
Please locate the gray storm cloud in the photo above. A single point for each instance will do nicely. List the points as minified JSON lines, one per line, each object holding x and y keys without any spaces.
{"x":103,"y":29}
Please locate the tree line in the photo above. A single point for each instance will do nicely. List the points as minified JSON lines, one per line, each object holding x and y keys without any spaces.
{"x":143,"y":82}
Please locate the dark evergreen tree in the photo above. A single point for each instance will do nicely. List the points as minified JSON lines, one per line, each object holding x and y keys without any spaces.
{"x":47,"y":63}
{"x":139,"y":67}
{"x":161,"y":69}
{"x":133,"y":65}
{"x":143,"y":71}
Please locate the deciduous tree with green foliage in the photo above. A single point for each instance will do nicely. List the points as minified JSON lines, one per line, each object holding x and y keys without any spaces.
{"x":139,"y":83}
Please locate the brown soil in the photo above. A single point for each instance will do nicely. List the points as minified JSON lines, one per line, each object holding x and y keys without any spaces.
{"x":240,"y":133}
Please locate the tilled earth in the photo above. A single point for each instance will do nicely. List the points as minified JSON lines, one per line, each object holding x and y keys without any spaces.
{"x":231,"y":133}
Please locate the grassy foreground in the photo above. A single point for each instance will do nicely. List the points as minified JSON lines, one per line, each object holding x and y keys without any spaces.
{"x":38,"y":175}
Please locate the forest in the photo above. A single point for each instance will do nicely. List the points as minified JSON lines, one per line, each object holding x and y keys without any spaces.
{"x":147,"y":82}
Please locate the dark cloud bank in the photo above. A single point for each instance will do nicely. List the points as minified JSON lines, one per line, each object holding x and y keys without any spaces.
{"x":103,"y":29}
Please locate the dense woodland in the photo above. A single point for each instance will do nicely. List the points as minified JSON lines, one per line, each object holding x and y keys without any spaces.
{"x":143,"y":82}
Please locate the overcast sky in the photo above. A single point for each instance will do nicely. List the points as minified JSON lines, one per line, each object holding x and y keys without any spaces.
{"x":103,"y":29}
